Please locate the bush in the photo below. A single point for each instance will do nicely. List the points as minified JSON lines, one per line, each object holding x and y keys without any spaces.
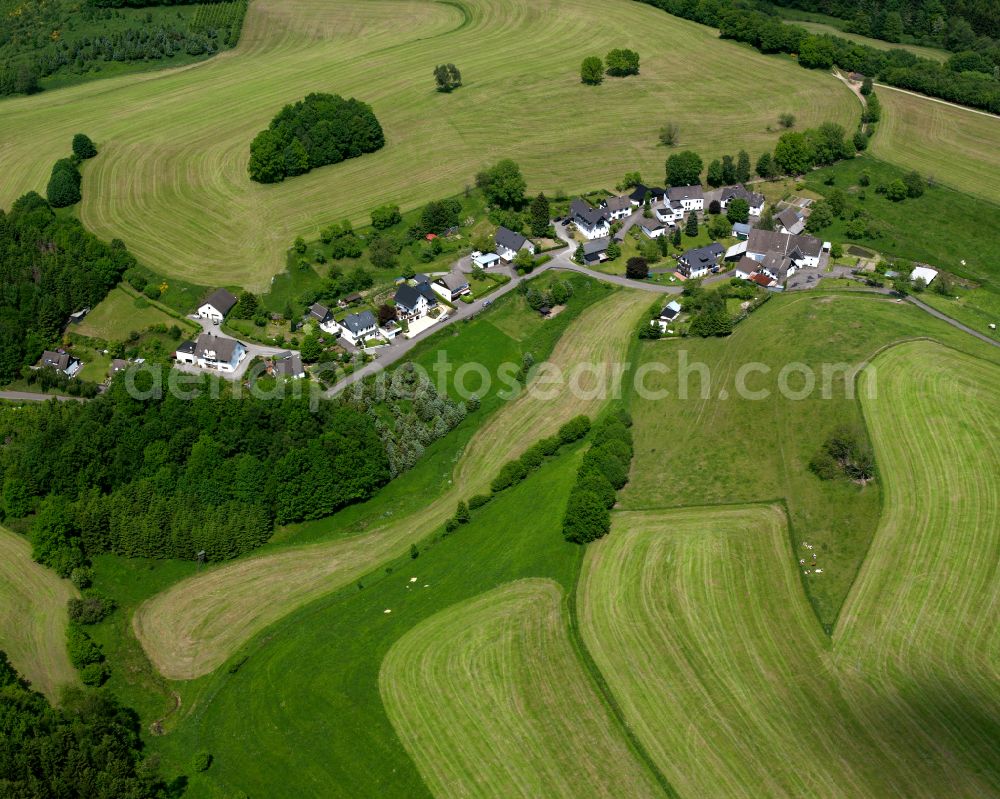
{"x":597,"y":484}
{"x":63,"y":189}
{"x":606,"y":464}
{"x":95,"y":674}
{"x":575,"y":429}
{"x":510,"y":473}
{"x":201,"y":761}
{"x":844,"y":453}
{"x":532,"y":458}
{"x":478,"y":501}
{"x":90,"y":609}
{"x":83,"y":147}
{"x":550,"y":445}
{"x":587,"y":518}
{"x":385,"y":216}
{"x":80,"y":647}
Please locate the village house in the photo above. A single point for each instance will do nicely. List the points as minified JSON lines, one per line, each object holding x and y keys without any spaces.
{"x":216,"y":306}
{"x":699,"y":261}
{"x":741,"y":230}
{"x":670,"y":312}
{"x":209,"y":351}
{"x":509,"y":244}
{"x":746,"y":267}
{"x":322,"y":316}
{"x":592,"y":222}
{"x":740,"y":192}
{"x":596,"y":250}
{"x":641,"y":193}
{"x":287,"y":365}
{"x":789,"y":221}
{"x":484,"y":260}
{"x":356,"y":327}
{"x":652,"y":229}
{"x":389,"y":330}
{"x":667,"y":213}
{"x":690,"y":198}
{"x":617,"y":208}
{"x":410,"y":303}
{"x":803,"y":251}
{"x":451,"y":286}
{"x":61,"y":361}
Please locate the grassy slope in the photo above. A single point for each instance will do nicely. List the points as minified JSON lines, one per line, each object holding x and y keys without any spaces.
{"x":819,"y":23}
{"x":174,"y":144}
{"x":733,"y":450}
{"x":696,"y":619}
{"x":117,"y":315}
{"x":956,"y":146}
{"x":490,"y":699}
{"x":194,"y":626}
{"x":33,"y":616}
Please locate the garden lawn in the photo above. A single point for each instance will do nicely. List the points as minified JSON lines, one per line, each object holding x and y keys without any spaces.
{"x":171,"y":179}
{"x":122,"y":313}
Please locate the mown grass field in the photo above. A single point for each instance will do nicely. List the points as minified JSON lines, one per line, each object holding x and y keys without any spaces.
{"x":490,"y":699}
{"x":122,"y":313}
{"x":194,"y":626}
{"x":33,"y":617}
{"x":696,"y":619}
{"x":958,"y":147}
{"x":171,"y":176}
{"x":726,"y":448}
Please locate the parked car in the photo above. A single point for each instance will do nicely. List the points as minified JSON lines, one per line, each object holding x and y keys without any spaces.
{"x":487,"y":303}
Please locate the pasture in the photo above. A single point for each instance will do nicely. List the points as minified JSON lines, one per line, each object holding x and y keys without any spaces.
{"x":171,"y":176}
{"x":490,"y":699}
{"x":122,"y":313}
{"x":194,"y":626}
{"x":955,"y":146}
{"x":33,"y":617}
{"x":697,"y":621}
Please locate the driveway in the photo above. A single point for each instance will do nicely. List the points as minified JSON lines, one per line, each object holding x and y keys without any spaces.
{"x":253,"y":351}
{"x":31,"y":396}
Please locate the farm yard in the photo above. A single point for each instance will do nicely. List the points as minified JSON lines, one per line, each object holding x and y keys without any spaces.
{"x":174,"y":144}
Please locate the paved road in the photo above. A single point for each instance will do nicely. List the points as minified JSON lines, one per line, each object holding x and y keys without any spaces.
{"x":32,"y":396}
{"x":953,"y":322}
{"x":562,"y":260}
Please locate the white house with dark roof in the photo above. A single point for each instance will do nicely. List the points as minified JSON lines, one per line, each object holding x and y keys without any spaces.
{"x":510,"y":243}
{"x":216,"y":306}
{"x":746,"y":267}
{"x":321,"y":315}
{"x":803,"y":251}
{"x":61,"y":361}
{"x":789,"y":221}
{"x":596,"y":250}
{"x":652,"y":229}
{"x":288,"y":365}
{"x":593,"y":223}
{"x":667,"y":213}
{"x":356,"y":327}
{"x":690,"y":198}
{"x":209,"y":351}
{"x":410,"y":303}
{"x":700,"y":260}
{"x":740,"y":192}
{"x":617,"y":207}
{"x":641,"y":192}
{"x":451,"y":286}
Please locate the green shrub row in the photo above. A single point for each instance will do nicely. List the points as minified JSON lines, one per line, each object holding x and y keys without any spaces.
{"x":85,"y":655}
{"x":603,"y":472}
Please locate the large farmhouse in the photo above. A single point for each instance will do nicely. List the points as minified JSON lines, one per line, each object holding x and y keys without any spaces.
{"x":212,"y":352}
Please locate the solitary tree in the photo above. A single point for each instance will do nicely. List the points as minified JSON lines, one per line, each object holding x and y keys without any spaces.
{"x":83,"y":147}
{"x":675,"y":238}
{"x":691,"y":228}
{"x":914,"y":184}
{"x":637,"y":268}
{"x":540,"y":216}
{"x":503,"y":184}
{"x":64,"y":184}
{"x":447,"y":77}
{"x":622,"y":62}
{"x":614,"y":251}
{"x":592,"y":70}
{"x":669,"y":134}
{"x":787,"y":120}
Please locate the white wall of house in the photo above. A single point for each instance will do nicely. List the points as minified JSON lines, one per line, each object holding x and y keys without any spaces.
{"x":210,"y":312}
{"x":598,"y":231}
{"x":655,"y":233}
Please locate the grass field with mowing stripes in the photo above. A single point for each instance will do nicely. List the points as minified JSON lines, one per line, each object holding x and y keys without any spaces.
{"x":33,"y":616}
{"x":191,"y":628}
{"x":955,"y":146}
{"x":171,"y":177}
{"x":697,"y":619}
{"x":490,"y":699}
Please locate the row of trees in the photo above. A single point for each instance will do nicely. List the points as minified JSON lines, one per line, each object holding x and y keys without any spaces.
{"x":321,"y":129}
{"x":602,"y":473}
{"x":727,"y":171}
{"x":618,"y":63}
{"x":49,"y":267}
{"x":897,"y":67}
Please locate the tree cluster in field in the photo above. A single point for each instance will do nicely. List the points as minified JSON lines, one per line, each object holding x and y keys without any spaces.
{"x":89,"y":746}
{"x":170,"y":477}
{"x":707,"y":310}
{"x":447,"y":78}
{"x":603,"y":472}
{"x":726,"y":171}
{"x":49,"y":267}
{"x":618,"y":63}
{"x":63,"y":188}
{"x":557,"y":294}
{"x":319,"y":130}
{"x":29,"y":51}
{"x":859,"y":224}
{"x":896,"y":67}
{"x":846,"y":453}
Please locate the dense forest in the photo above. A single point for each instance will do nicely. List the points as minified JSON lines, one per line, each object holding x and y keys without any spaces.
{"x":321,"y":129}
{"x":88,"y":747}
{"x":968,"y":79}
{"x":40,"y":38}
{"x":49,"y":267}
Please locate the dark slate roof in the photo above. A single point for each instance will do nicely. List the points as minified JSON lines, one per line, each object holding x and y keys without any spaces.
{"x":428,"y":293}
{"x":421,"y":278}
{"x":509,"y":239}
{"x":407,"y":297}
{"x":582,"y":210}
{"x":740,"y":192}
{"x":703,"y":256}
{"x":670,"y":311}
{"x":639,"y":193}
{"x":617,"y":203}
{"x":221,"y":300}
{"x":57,"y":360}
{"x":595,"y":246}
{"x":358,"y":322}
{"x":187,"y":347}
{"x":223,"y":347}
{"x":677,"y":193}
{"x":788,"y":217}
{"x":320,"y":312}
{"x":288,"y":364}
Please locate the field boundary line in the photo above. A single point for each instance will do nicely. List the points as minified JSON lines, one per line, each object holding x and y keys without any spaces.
{"x":938,"y":100}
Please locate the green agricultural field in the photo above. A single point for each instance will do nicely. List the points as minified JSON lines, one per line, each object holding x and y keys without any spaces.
{"x":724,"y":448}
{"x":490,"y":699}
{"x":193,"y":627}
{"x":978,"y":308}
{"x":696,"y":619}
{"x":171,"y":177}
{"x":956,"y":146}
{"x":122,"y":313}
{"x":33,"y":617}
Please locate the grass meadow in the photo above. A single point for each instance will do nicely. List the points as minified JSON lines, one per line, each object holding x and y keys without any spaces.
{"x":958,"y":147}
{"x":171,"y":177}
{"x":122,"y":313}
{"x":33,"y":617}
